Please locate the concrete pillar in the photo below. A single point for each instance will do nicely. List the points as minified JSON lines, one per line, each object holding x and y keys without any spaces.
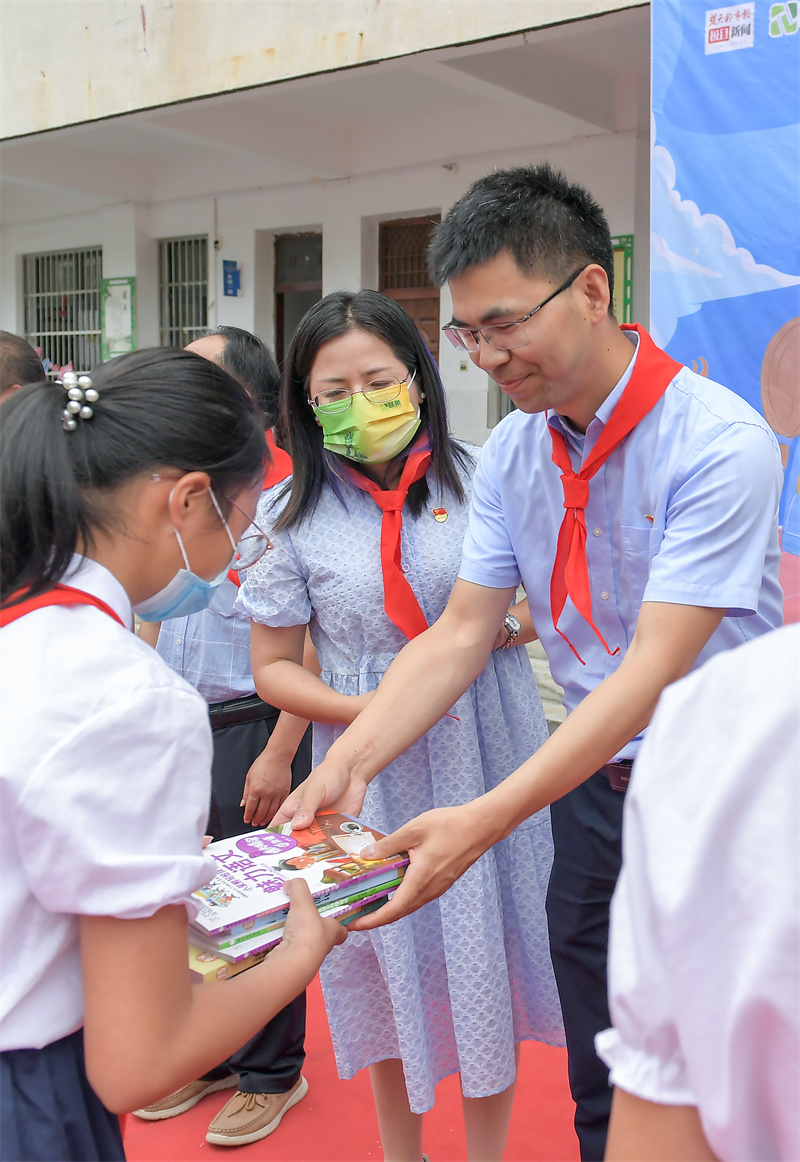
{"x":130,"y":251}
{"x":341,"y":241}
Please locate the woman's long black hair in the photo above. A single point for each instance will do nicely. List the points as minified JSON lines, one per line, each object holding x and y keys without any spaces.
{"x":312,"y":465}
{"x":159,"y":408}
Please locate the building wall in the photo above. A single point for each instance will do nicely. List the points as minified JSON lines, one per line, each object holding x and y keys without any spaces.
{"x":347,"y":213}
{"x":67,"y":63}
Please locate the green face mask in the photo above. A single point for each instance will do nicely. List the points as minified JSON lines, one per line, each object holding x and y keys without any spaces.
{"x":370,"y":432}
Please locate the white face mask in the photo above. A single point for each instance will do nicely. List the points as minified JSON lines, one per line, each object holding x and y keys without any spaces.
{"x":186,"y":593}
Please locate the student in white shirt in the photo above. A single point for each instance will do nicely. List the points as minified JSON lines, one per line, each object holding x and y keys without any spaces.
{"x":112,"y":504}
{"x":704,"y":986}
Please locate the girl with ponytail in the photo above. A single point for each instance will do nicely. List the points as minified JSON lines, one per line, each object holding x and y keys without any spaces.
{"x":130,"y":491}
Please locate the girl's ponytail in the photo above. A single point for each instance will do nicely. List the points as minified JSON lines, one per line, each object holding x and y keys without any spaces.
{"x":159,"y":408}
{"x":43,"y":515}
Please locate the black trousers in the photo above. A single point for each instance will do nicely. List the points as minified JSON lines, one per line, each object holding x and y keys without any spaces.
{"x":235,"y":749}
{"x":272,"y":1060}
{"x":587,"y":834}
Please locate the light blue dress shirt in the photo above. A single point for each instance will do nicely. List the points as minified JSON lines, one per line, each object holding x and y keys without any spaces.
{"x":684,"y":511}
{"x":211,"y":649}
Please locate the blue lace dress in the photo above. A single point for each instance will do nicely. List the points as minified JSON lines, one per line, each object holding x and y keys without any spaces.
{"x":453,"y":987}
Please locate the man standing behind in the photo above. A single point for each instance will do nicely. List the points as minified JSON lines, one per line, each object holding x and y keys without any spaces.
{"x":259,"y":754}
{"x":637,"y":504}
{"x":19,"y":364}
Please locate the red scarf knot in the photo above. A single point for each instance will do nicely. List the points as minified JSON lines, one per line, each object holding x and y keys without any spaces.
{"x":576,"y":492}
{"x":652,"y":374}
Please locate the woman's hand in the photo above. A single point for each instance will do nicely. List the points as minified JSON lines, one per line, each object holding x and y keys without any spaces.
{"x":268,"y":782}
{"x":328,"y":785}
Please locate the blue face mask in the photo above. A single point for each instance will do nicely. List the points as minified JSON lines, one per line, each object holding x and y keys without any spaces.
{"x":186,"y":593}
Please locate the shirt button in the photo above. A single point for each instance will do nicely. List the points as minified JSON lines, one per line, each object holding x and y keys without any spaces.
{"x":180,"y":641}
{"x":598,"y":532}
{"x":604,"y":595}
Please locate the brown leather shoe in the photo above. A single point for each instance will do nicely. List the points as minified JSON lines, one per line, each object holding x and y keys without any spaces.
{"x":250,"y":1116}
{"x":183,"y":1099}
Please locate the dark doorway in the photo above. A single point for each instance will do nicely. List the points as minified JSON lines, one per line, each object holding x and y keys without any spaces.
{"x":298,"y":284}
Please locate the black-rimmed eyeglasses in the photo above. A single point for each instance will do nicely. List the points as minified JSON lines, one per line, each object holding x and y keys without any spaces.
{"x":502,"y":336}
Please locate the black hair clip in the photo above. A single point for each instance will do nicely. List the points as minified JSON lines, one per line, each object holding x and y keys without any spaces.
{"x":80,"y":395}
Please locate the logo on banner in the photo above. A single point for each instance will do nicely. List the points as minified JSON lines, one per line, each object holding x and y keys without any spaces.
{"x":730,"y":28}
{"x":784,"y":19}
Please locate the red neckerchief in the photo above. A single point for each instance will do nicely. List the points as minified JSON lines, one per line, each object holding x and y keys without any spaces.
{"x":652,"y":374}
{"x":58,"y":595}
{"x":280,"y":466}
{"x":280,"y":463}
{"x":399,"y":600}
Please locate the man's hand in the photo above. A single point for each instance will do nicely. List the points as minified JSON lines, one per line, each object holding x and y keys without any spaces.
{"x":441,"y":844}
{"x":268,"y":782}
{"x":328,"y":785}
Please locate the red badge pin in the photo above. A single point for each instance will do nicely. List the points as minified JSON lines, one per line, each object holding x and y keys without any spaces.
{"x":440,"y":515}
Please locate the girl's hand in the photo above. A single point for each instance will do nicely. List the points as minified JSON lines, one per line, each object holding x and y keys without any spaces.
{"x":307,"y":936}
{"x":268,"y":782}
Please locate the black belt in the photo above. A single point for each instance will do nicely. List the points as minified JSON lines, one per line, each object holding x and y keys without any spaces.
{"x":235,"y":711}
{"x":618,"y":774}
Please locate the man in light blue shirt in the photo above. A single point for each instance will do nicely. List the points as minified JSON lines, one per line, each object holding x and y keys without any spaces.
{"x":668,"y":554}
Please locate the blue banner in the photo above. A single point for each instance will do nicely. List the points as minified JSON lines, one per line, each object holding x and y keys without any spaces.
{"x":725,"y":243}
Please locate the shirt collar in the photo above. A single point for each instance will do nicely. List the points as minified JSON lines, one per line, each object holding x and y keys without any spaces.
{"x":574,"y":437}
{"x":92,"y":577}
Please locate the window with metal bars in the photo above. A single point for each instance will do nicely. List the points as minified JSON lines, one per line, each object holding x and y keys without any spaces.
{"x":62,"y":307}
{"x":404,"y":274}
{"x":183,"y":284}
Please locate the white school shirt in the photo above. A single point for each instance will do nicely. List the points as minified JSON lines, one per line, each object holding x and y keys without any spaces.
{"x":104,"y":790}
{"x":704,"y":954}
{"x":685,"y":511}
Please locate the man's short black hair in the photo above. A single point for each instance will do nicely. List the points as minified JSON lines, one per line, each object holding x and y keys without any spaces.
{"x":250,"y":360}
{"x":549,"y":225}
{"x":19,"y":363}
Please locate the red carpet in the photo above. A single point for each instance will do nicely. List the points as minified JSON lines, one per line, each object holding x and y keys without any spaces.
{"x":336,"y":1121}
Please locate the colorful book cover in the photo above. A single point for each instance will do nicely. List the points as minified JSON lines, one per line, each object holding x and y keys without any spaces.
{"x":239,"y":953}
{"x":252,"y":868}
{"x":369,"y":889}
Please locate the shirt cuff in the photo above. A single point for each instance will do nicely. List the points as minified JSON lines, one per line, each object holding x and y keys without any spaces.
{"x":739,"y":602}
{"x":643,"y":1074}
{"x":490,"y":578}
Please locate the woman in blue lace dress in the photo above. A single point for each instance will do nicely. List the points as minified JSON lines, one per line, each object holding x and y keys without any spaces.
{"x":368,"y":538}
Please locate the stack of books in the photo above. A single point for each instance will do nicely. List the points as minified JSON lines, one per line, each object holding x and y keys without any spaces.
{"x":243,"y":910}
